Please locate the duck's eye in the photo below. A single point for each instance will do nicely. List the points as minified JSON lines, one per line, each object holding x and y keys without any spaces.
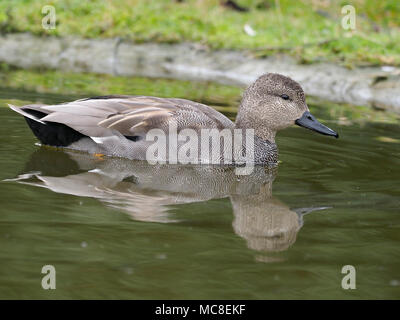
{"x":285,"y":96}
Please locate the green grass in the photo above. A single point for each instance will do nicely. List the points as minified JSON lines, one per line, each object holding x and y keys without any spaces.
{"x":309,"y":30}
{"x":32,"y":85}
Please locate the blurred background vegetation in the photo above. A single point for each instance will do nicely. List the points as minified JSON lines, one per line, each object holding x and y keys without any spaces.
{"x":309,"y":30}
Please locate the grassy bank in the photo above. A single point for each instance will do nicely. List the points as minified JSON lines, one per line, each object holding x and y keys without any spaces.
{"x":310,"y":30}
{"x":35,"y":86}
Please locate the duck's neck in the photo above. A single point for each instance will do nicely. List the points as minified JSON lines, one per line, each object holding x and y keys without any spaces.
{"x":261,"y":132}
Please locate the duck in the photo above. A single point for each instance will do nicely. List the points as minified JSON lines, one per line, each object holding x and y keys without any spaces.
{"x":119,"y":125}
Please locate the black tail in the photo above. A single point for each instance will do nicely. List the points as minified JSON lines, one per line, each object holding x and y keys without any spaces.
{"x":52,"y":133}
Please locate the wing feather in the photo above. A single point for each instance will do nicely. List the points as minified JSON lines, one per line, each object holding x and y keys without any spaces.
{"x":129,"y":115}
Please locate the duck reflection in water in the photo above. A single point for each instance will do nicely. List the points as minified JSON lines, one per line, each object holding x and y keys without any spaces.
{"x":146,"y":192}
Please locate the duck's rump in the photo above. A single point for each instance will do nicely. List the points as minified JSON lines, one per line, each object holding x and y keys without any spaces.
{"x":52,"y":133}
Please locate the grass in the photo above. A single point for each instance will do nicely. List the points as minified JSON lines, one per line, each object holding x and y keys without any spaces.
{"x":309,"y":30}
{"x":63,"y":87}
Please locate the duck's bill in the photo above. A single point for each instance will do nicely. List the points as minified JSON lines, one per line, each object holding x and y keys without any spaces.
{"x":308,"y":121}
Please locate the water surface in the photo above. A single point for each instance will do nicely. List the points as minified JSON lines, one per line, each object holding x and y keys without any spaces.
{"x":124,"y":230}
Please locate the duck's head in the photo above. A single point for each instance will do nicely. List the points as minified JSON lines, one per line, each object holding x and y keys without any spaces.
{"x":274,"y":102}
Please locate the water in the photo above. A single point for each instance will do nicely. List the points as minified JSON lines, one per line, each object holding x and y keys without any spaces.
{"x":124,"y":230}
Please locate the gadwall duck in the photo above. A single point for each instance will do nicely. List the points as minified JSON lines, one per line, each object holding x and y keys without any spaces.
{"x":118,"y":125}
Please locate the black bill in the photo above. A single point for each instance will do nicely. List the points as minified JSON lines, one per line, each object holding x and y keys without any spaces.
{"x":308,"y":121}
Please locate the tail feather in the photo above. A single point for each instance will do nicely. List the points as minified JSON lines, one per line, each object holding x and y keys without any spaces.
{"x":25,"y":114}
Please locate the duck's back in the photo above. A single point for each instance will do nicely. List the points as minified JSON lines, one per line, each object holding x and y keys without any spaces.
{"x":117,"y":125}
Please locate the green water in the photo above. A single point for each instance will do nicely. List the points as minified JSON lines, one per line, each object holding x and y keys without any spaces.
{"x":124,"y":230}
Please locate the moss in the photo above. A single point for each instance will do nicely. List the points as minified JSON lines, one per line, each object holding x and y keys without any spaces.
{"x":309,"y":30}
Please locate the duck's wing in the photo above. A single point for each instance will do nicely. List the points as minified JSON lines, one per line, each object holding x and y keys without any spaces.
{"x":126,"y":115}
